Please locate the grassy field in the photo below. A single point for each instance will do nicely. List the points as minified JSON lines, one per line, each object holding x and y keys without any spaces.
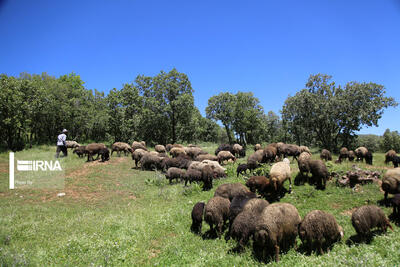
{"x":112,"y":214}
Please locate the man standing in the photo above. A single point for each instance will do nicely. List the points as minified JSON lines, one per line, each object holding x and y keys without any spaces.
{"x":61,"y":144}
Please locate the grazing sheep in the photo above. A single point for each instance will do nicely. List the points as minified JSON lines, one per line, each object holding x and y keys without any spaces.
{"x":179,"y":162}
{"x":396,"y":161}
{"x":244,"y":225}
{"x":290,"y":150}
{"x":361,"y":152}
{"x":196,"y":165}
{"x":389,"y":156}
{"x":320,"y":229}
{"x":241,"y":168}
{"x":176,"y":151}
{"x":160,"y":148}
{"x":121,"y":146}
{"x":168,"y":147}
{"x":304,"y":149}
{"x":213,"y":164}
{"x":193,"y":152}
{"x":72,"y":144}
{"x":319,"y":172}
{"x":105,"y":154}
{"x":391,"y":182}
{"x":178,"y":145}
{"x":137,"y":145}
{"x":302,"y":162}
{"x":368,"y":158}
{"x":150,"y":162}
{"x":280,"y":146}
{"x":197,"y":217}
{"x":255,"y":159}
{"x":258,"y":184}
{"x":202,"y":157}
{"x":368,"y":217}
{"x":231,"y":190}
{"x":270,"y":153}
{"x":207,"y":175}
{"x":343,"y":154}
{"x":192,"y":175}
{"x":279,"y":173}
{"x":224,"y":147}
{"x":216,"y":213}
{"x":352,"y":155}
{"x":175,"y":173}
{"x":80,"y":151}
{"x":325,"y":155}
{"x":276,"y":229}
{"x":92,"y":149}
{"x":257,"y":147}
{"x":238,"y":150}
{"x":396,"y":206}
{"x":224,"y":156}
{"x":137,"y":155}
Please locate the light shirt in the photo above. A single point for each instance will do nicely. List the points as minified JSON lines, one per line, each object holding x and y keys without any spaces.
{"x":61,"y":139}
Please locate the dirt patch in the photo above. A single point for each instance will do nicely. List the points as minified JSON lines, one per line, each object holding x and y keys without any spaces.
{"x":154,"y":253}
{"x":348,"y":212}
{"x":335,"y":206}
{"x":4,"y":168}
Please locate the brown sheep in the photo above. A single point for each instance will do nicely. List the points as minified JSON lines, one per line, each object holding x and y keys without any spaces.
{"x":175,"y":173}
{"x":168,"y":147}
{"x":257,"y":147}
{"x":361,"y":152}
{"x":258,"y":184}
{"x":389,"y":156}
{"x":255,"y":159}
{"x":290,"y":150}
{"x":319,"y":228}
{"x":224,"y":156}
{"x":352,"y":155}
{"x":150,"y":162}
{"x":391,"y":182}
{"x":193,"y":152}
{"x":192,"y":175}
{"x":137,"y":155}
{"x":202,"y":157}
{"x":302,"y":163}
{"x":304,"y":149}
{"x":216,"y":214}
{"x":238,"y":150}
{"x":368,"y":217}
{"x":319,"y":172}
{"x":396,"y":206}
{"x":121,"y":146}
{"x":72,"y":144}
{"x":92,"y":149}
{"x":276,"y":229}
{"x":160,"y":148}
{"x":279,"y":173}
{"x":80,"y":151}
{"x":231,"y":190}
{"x":325,"y":155}
{"x":343,"y":154}
{"x":270,"y":153}
{"x":137,"y":145}
{"x":176,"y":151}
{"x":197,"y":217}
{"x":207,"y":175}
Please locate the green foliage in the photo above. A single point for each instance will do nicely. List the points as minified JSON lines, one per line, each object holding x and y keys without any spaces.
{"x":369,"y":141}
{"x":390,"y":140}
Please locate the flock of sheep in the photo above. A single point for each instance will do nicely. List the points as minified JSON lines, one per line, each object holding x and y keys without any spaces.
{"x":245,"y":210}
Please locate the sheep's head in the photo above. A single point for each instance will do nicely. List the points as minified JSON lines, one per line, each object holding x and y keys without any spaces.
{"x":260,"y":237}
{"x":341,"y":232}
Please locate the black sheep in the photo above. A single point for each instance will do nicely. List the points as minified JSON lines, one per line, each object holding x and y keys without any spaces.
{"x":242,"y":168}
{"x":105,"y":154}
{"x":368,"y":158}
{"x":396,"y":161}
{"x":197,"y":217}
{"x":207,"y":175}
{"x":224,"y":147}
{"x":396,"y":206}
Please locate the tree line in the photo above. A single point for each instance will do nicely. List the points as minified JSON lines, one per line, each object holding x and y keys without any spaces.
{"x":160,"y":109}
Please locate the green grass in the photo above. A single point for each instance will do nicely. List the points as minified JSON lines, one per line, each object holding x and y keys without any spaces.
{"x":114,"y":215}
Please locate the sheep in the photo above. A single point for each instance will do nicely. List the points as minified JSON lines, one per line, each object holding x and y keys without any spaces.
{"x":280,"y":146}
{"x":368,"y":158}
{"x":368,"y":217}
{"x":160,"y":148}
{"x":80,"y":151}
{"x":136,"y":145}
{"x":202,"y":157}
{"x":179,"y":162}
{"x":93,"y":148}
{"x":104,"y":153}
{"x":319,"y":172}
{"x":389,"y":156}
{"x":223,"y":147}
{"x":213,"y":164}
{"x":238,"y":150}
{"x":290,"y":150}
{"x":168,"y":147}
{"x":276,"y":228}
{"x":244,"y":225}
{"x":325,"y":155}
{"x":72,"y":144}
{"x":396,"y":161}
{"x":343,"y":154}
{"x":352,"y":155}
{"x":255,"y":159}
{"x":396,"y":206}
{"x":175,"y":173}
{"x":258,"y":184}
{"x":192,"y":175}
{"x":304,"y":149}
{"x":150,"y":162}
{"x":279,"y":173}
{"x":319,"y":228}
{"x":270,"y":153}
{"x":193,"y":152}
{"x":391,"y":182}
{"x":121,"y":146}
{"x":176,"y":151}
{"x":207,"y":175}
{"x":137,"y":155}
{"x":196,"y":165}
{"x":361,"y":152}
{"x":216,"y":213}
{"x":302,"y":163}
{"x":241,"y":168}
{"x":257,"y":147}
{"x":197,"y":217}
{"x":231,"y":190}
{"x":225,"y":155}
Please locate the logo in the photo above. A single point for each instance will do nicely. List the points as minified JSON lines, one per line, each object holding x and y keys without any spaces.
{"x":36,"y":165}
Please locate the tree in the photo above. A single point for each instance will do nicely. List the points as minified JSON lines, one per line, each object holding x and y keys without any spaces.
{"x":390,"y":140}
{"x":330,"y":114}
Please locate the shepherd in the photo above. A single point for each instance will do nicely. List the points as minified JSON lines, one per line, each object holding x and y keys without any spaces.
{"x":61,"y":144}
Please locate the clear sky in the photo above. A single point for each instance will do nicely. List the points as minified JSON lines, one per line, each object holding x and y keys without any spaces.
{"x":267,"y":47}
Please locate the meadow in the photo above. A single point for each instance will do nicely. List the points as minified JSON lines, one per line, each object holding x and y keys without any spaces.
{"x":114,"y":215}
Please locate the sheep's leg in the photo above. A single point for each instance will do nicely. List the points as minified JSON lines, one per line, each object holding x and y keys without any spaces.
{"x":276,"y":253}
{"x":290,"y":185}
{"x":319,"y":247}
{"x":386,"y":195}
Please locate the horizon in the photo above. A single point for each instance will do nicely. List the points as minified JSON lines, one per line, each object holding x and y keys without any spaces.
{"x":264,"y":48}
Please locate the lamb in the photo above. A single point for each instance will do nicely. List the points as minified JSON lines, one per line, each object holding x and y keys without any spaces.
{"x":197,"y":217}
{"x":352,"y":155}
{"x":202,"y":157}
{"x":343,"y":154}
{"x":389,"y":156}
{"x":279,"y":173}
{"x":258,"y":184}
{"x":176,"y":151}
{"x":192,"y":175}
{"x":361,"y":152}
{"x":160,"y":148}
{"x":325,"y":155}
{"x":92,"y":149}
{"x":231,"y":190}
{"x":121,"y":146}
{"x":319,"y":172}
{"x":137,"y":155}
{"x":368,"y":217}
{"x":216,"y":213}
{"x":175,"y":173}
{"x":80,"y":151}
{"x":319,"y":228}
{"x":241,"y":168}
{"x":238,"y":150}
{"x":391,"y":182}
{"x":72,"y":144}
{"x":276,"y":229}
{"x":244,"y":225}
{"x":225,"y":155}
{"x":270,"y":153}
{"x":150,"y":162}
{"x":137,"y":145}
{"x":396,"y":206}
{"x":257,"y":147}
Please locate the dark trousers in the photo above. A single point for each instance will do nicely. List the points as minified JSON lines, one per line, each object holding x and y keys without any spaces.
{"x":63,"y":149}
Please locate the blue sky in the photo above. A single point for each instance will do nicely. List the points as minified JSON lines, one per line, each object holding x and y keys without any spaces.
{"x":267,"y":47}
